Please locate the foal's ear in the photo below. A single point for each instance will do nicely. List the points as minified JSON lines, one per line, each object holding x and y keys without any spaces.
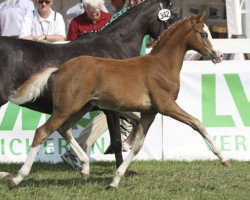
{"x":201,"y":17}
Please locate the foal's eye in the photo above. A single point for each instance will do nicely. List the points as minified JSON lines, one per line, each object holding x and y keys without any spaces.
{"x":204,"y":35}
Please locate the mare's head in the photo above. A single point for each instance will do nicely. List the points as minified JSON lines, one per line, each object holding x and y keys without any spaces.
{"x":161,"y":16}
{"x":198,"y":40}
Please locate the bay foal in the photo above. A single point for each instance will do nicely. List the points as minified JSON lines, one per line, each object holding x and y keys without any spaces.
{"x":148,"y":84}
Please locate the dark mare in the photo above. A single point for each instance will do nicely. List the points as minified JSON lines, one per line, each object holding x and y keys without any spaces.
{"x":120,"y":39}
{"x":148,"y":85}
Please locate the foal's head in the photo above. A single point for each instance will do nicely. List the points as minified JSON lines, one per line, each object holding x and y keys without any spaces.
{"x":198,"y":39}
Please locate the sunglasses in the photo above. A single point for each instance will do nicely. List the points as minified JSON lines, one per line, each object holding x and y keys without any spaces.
{"x":42,"y":1}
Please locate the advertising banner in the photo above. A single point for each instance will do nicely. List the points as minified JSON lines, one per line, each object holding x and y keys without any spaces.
{"x":219,"y":96}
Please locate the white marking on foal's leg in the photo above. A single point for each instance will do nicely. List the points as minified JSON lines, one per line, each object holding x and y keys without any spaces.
{"x":215,"y":149}
{"x":136,"y":146}
{"x":4,"y":175}
{"x":83,"y":157}
{"x":25,"y":169}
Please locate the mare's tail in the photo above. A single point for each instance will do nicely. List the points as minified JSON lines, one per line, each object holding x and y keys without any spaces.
{"x":31,"y":89}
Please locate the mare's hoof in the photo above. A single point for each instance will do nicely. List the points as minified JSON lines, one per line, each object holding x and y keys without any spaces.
{"x":85,"y":177}
{"x":110,"y":187}
{"x":226,"y":163}
{"x":130,"y":173}
{"x":109,"y":150}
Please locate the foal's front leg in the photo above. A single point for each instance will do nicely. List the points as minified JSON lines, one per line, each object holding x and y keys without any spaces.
{"x":177,"y":113}
{"x":146,"y":121}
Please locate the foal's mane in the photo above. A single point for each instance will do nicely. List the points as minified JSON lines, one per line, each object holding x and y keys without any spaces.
{"x":166,"y":34}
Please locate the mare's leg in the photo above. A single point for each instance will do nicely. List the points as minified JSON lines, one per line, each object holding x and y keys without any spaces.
{"x":177,"y":113}
{"x":146,"y":121}
{"x":115,"y":135}
{"x":130,"y":123}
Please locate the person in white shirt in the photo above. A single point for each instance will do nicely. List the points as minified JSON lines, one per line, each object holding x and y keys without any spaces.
{"x":43,"y":24}
{"x":12,"y":13}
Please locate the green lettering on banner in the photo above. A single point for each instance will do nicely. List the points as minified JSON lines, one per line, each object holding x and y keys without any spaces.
{"x":100,"y":148}
{"x":209,"y":116}
{"x":30,"y":119}
{"x":47,"y":146}
{"x":239,"y":97}
{"x":2,"y":147}
{"x":225,"y":143}
{"x":10,"y":117}
{"x":12,"y":146}
{"x":62,"y":144}
{"x":240,"y":141}
{"x":27,"y":145}
{"x":83,"y":122}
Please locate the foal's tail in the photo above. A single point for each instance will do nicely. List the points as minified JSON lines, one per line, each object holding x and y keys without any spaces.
{"x":31,"y":89}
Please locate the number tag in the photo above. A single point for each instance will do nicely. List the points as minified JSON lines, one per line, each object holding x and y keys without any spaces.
{"x":164,"y":14}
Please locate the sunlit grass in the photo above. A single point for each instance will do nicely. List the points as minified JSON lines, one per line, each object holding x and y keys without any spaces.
{"x":156,"y":180}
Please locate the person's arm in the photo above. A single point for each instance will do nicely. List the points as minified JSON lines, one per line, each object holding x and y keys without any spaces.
{"x":59,"y":34}
{"x":29,"y":6}
{"x":25,"y":32}
{"x":72,"y":33}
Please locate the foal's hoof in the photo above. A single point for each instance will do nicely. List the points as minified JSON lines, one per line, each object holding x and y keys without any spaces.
{"x":4,"y":175}
{"x":110,"y":187}
{"x":12,"y":184}
{"x":130,"y":173}
{"x":226,"y":163}
{"x":85,"y":177}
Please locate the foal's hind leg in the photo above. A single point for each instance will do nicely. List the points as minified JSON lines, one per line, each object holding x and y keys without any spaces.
{"x":84,"y":160}
{"x":146,"y":121}
{"x":82,"y":156}
{"x":41,"y":134}
{"x":177,"y":113}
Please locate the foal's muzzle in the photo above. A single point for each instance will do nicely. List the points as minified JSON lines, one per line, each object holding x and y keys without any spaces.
{"x":216,"y":57}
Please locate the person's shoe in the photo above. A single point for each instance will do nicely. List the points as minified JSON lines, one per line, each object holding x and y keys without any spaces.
{"x":71,"y":160}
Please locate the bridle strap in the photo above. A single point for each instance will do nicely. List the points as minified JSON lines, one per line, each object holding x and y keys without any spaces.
{"x":163,"y":22}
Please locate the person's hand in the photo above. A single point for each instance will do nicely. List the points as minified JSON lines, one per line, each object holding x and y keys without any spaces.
{"x":39,"y":38}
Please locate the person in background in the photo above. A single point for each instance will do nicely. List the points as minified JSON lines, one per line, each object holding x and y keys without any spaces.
{"x":92,"y":19}
{"x":43,"y":24}
{"x":12,"y":13}
{"x":78,"y":9}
